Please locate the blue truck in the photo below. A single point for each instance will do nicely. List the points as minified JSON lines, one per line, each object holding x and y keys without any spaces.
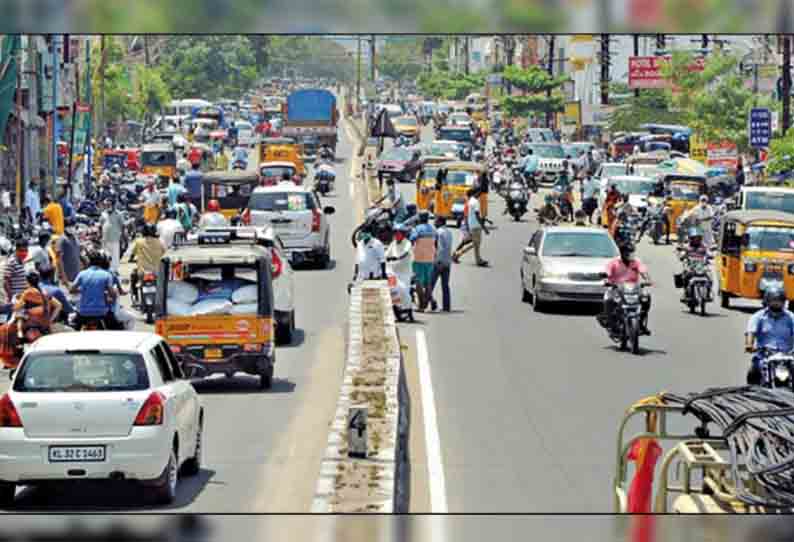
{"x":311,"y":115}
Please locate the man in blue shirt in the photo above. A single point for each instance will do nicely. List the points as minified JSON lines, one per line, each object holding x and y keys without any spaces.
{"x":97,"y":294}
{"x":174,"y":190}
{"x":530,"y":167}
{"x":772,"y":327}
{"x":193,"y":182}
{"x":68,"y":210}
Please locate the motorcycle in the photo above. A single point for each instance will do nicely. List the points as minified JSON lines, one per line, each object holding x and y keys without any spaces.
{"x":378,"y":223}
{"x":324,"y":182}
{"x":698,"y":287}
{"x":326,"y":154}
{"x":624,"y":326}
{"x":653,"y":224}
{"x":147,"y":296}
{"x":517,"y":200}
{"x":777,"y":369}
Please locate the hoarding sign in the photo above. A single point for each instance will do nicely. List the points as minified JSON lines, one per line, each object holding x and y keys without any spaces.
{"x":760,"y":127}
{"x":646,"y":71}
{"x":723,"y":154}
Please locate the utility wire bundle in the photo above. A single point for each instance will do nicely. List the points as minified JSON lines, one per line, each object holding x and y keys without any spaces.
{"x":758,"y":426}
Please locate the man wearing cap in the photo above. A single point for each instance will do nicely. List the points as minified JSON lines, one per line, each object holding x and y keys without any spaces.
{"x":424,"y":237}
{"x":701,"y":215}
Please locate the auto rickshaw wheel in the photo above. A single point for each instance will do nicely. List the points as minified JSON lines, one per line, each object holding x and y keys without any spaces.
{"x":725,"y":300}
{"x":266,"y":379}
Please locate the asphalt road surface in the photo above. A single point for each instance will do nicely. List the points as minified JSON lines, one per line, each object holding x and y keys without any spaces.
{"x":527,"y":404}
{"x":262,"y":449}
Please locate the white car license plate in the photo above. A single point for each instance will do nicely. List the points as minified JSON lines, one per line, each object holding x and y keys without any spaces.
{"x":150,"y":289}
{"x":62,"y":454}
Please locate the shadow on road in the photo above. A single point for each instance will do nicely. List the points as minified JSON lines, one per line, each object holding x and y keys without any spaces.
{"x":104,"y":496}
{"x":643,"y":351}
{"x":572,"y":309}
{"x":241,"y":384}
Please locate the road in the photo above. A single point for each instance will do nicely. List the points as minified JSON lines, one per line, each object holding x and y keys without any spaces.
{"x":262,"y":449}
{"x":528,"y":404}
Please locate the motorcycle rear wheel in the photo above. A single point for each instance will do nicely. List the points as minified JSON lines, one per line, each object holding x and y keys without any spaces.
{"x":635,"y":337}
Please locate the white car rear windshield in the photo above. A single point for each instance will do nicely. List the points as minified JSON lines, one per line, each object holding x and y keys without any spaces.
{"x":579,"y":244}
{"x":82,"y":372}
{"x":281,"y":201}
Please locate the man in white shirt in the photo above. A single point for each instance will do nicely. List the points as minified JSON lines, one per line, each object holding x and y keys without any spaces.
{"x":476,"y":225}
{"x":5,"y":200}
{"x":702,"y":214}
{"x":370,"y":259}
{"x":33,"y":201}
{"x":168,"y":228}
{"x":213,"y":218}
{"x":112,"y":229}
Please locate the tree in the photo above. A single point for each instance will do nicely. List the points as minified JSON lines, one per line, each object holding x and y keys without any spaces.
{"x":534,"y":82}
{"x":117,"y":86}
{"x":448,"y":85}
{"x":651,"y":106}
{"x":781,"y":154}
{"x":401,"y":60}
{"x":151,"y":93}
{"x":713,"y":102}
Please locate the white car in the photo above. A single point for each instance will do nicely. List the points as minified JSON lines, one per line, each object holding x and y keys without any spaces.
{"x":246,"y":136}
{"x":100,"y":405}
{"x":297,"y":218}
{"x":638,"y":188}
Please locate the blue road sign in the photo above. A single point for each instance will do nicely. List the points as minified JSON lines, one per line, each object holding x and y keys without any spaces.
{"x":760,"y":127}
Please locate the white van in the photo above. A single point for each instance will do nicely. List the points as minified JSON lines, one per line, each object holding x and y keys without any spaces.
{"x":246,"y":136}
{"x":775,"y":198}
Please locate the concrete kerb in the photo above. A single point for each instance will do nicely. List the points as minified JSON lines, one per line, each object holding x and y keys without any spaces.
{"x":389,"y":494}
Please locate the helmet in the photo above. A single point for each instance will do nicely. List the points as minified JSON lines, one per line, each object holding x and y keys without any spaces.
{"x":775,"y":298}
{"x":213,"y":206}
{"x":115,"y":168}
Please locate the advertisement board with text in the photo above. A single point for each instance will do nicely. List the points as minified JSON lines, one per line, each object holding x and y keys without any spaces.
{"x":646,"y":71}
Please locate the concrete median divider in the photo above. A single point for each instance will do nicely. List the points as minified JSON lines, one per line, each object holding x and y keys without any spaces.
{"x":373,"y":379}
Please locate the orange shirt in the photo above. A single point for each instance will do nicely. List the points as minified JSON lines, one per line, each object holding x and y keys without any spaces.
{"x":54,"y":215}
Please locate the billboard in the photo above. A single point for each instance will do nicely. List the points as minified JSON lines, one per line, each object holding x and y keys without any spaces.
{"x":646,"y":71}
{"x":722,"y":154}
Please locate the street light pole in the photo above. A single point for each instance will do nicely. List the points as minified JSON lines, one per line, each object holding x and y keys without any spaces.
{"x":358,"y":74}
{"x":636,"y":53}
{"x":550,"y":69}
{"x":786,"y":82}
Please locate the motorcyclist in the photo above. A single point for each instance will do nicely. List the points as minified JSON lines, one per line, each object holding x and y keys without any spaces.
{"x":396,"y":200}
{"x":529,"y":166}
{"x":695,"y":249}
{"x":240,"y":154}
{"x":324,"y":170}
{"x":549,"y":212}
{"x":625,"y":269}
{"x":97,"y":294}
{"x":33,"y":307}
{"x":213,"y":218}
{"x":326,"y":152}
{"x":146,"y":252}
{"x":701,"y":216}
{"x":625,"y":214}
{"x":580,"y":218}
{"x":771,"y":327}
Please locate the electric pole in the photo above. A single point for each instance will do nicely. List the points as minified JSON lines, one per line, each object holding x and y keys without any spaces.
{"x":358,"y":74}
{"x":704,"y":43}
{"x":660,"y":43}
{"x":550,"y":69}
{"x":102,"y":128}
{"x":372,"y":56}
{"x":604,"y":69}
{"x":786,"y":82}
{"x":636,"y":53}
{"x":466,"y":52}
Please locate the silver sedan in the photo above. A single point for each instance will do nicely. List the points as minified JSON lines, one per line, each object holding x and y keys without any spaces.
{"x":566,"y":263}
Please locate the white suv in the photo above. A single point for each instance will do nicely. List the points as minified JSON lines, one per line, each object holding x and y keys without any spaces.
{"x":297,"y":218}
{"x":99,"y":405}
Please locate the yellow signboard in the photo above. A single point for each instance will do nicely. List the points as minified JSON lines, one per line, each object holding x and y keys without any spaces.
{"x":573,"y":113}
{"x":579,"y":63}
{"x":697,"y":149}
{"x":582,"y":38}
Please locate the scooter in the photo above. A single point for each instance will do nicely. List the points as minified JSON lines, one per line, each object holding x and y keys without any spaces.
{"x":517,"y":200}
{"x":147,"y":296}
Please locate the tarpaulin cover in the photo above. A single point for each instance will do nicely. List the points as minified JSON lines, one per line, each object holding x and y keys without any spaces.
{"x":311,"y":105}
{"x":8,"y":81}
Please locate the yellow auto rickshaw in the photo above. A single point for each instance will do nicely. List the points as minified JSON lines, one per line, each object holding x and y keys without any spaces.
{"x":238,"y":340}
{"x":426,"y":181}
{"x":450,"y":197}
{"x":682,"y":193}
{"x":282,"y":149}
{"x":232,"y":189}
{"x":756,"y":251}
{"x":158,"y":159}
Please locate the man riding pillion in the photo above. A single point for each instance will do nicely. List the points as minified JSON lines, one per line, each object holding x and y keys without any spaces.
{"x":97,"y":294}
{"x":213,"y":218}
{"x":622,"y":270}
{"x":146,"y":252}
{"x":771,"y":327}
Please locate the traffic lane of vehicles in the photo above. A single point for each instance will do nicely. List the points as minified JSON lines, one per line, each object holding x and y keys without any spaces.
{"x":549,"y":389}
{"x":256,"y":440}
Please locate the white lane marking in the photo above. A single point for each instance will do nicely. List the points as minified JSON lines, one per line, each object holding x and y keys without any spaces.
{"x":435,"y":466}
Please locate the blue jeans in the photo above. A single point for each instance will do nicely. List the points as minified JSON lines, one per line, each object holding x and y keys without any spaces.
{"x":442,"y":271}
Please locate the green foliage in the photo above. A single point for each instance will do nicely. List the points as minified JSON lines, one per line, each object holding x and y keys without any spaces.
{"x":781,"y":154}
{"x":652,"y":106}
{"x":714,"y":102}
{"x":118,"y":90}
{"x":151,"y":93}
{"x":312,"y":57}
{"x":534,"y":82}
{"x":448,"y":85}
{"x":401,"y":60}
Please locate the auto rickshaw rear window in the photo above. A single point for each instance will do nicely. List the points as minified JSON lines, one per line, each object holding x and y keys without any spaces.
{"x":461,"y":178}
{"x":770,"y":238}
{"x":157,"y":158}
